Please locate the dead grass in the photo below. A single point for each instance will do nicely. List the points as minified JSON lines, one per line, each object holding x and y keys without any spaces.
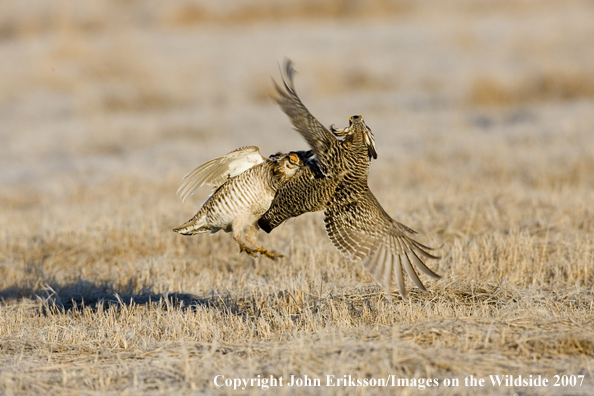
{"x":99,"y":296}
{"x":560,"y":85}
{"x":19,"y":21}
{"x":191,"y":13}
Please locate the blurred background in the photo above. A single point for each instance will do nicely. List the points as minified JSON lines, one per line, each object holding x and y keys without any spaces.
{"x":483,"y":116}
{"x":96,"y":90}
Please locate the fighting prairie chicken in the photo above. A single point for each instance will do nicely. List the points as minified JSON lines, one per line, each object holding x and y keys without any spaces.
{"x":356,"y":223}
{"x":245,"y":185}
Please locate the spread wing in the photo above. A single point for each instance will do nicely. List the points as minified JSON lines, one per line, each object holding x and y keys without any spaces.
{"x":215,"y":172}
{"x":308,"y":191}
{"x":364,"y":232}
{"x":317,"y":136}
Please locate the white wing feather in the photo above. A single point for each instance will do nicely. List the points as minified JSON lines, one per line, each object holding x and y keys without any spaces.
{"x":217,"y":171}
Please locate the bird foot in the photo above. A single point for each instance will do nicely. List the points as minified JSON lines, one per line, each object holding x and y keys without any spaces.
{"x":270,"y":255}
{"x":250,"y":251}
{"x":262,"y":251}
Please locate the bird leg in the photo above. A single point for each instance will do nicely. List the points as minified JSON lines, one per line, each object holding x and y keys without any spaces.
{"x":249,"y":237}
{"x":239,"y":231}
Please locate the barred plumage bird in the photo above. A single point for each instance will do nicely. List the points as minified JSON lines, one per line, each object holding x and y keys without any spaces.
{"x":245,"y":185}
{"x":356,"y":223}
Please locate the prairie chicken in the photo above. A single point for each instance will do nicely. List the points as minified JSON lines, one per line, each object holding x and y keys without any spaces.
{"x":245,"y":185}
{"x":356,"y":223}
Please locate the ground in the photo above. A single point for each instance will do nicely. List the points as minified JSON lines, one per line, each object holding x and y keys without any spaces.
{"x":483,"y":118}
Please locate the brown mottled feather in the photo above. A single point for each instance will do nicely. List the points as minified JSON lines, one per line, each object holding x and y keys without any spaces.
{"x":320,"y":139}
{"x":356,"y":223}
{"x":350,"y":228}
{"x":238,"y":203}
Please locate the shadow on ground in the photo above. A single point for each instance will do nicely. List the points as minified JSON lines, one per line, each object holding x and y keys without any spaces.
{"x":56,"y":298}
{"x":81,"y":294}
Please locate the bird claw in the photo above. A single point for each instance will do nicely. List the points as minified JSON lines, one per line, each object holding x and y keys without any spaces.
{"x":270,"y":255}
{"x":262,"y":251}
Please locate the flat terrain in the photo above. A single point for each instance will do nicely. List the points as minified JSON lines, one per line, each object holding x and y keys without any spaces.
{"x":483,"y":116}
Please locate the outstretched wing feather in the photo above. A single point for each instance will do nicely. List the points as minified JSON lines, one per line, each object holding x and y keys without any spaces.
{"x":216,"y":171}
{"x":351,"y":227}
{"x":317,"y":136}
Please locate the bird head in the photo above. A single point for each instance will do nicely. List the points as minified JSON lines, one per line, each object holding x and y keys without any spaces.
{"x":357,"y":125}
{"x":287,"y":165}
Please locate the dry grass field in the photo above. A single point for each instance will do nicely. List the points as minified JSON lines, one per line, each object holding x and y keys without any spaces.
{"x":483,"y":113}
